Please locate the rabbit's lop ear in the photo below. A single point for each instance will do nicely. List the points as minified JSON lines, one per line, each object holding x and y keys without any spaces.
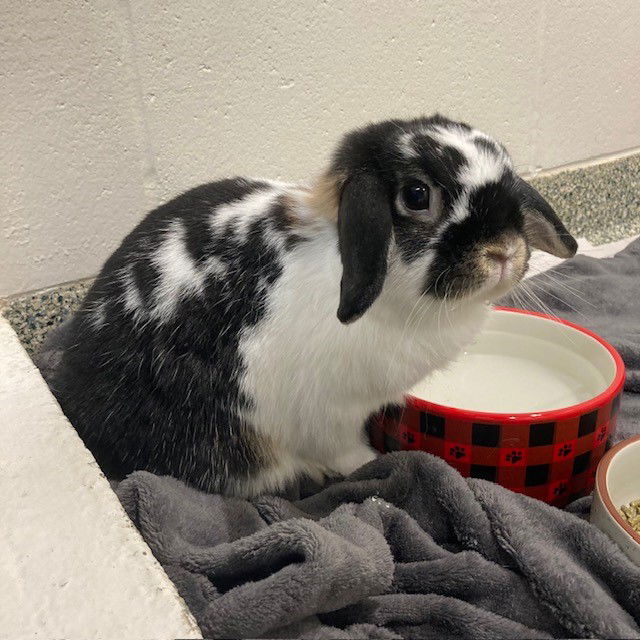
{"x":542,"y":227}
{"x":364,"y":231}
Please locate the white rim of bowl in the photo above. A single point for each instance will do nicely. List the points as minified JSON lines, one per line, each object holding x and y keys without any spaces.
{"x":603,"y":492}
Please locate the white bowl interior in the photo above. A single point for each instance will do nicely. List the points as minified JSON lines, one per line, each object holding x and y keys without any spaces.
{"x":623,"y":475}
{"x":520,"y":364}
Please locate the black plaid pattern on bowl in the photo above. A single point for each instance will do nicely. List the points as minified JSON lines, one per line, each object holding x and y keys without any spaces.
{"x":552,"y":461}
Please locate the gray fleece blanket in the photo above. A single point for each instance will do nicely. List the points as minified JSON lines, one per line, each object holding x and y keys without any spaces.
{"x":405,"y":547}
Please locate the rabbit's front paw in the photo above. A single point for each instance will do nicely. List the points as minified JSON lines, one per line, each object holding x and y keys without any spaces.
{"x":353,"y":459}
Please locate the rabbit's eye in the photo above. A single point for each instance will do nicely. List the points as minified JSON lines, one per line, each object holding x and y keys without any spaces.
{"x":415,"y":196}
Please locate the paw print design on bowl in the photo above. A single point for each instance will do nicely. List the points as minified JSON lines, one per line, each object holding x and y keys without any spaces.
{"x":457,"y":452}
{"x":560,"y":489}
{"x":565,"y":450}
{"x":514,"y":456}
{"x":408,"y":437}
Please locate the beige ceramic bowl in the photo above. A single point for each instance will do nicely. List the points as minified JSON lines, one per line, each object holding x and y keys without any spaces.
{"x":617,"y":484}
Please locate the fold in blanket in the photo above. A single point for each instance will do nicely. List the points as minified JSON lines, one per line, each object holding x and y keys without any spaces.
{"x":405,"y":547}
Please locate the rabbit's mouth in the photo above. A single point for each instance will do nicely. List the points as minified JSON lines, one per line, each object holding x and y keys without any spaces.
{"x":487,"y":273}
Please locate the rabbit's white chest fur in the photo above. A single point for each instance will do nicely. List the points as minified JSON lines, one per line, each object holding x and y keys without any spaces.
{"x":315,"y":381}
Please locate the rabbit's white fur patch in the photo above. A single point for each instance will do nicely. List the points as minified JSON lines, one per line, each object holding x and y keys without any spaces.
{"x":214,"y":266}
{"x":241,"y":213}
{"x":300,"y":353}
{"x":131,"y":297}
{"x":98,"y":315}
{"x":406,"y":146}
{"x":482,"y":165}
{"x":178,"y":274}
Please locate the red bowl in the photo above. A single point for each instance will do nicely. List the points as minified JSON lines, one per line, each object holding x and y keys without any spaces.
{"x":546,"y":453}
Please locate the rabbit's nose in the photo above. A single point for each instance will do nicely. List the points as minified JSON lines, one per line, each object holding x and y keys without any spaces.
{"x":499,"y":255}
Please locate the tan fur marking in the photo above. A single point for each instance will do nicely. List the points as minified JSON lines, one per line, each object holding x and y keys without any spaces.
{"x":290,"y":203}
{"x":324,"y":197}
{"x":266,"y":461}
{"x":263,"y":446}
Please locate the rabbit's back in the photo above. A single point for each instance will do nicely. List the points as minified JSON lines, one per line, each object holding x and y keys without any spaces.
{"x":151,"y":379}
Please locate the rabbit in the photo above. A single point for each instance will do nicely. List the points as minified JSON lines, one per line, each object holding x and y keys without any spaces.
{"x":243,"y":333}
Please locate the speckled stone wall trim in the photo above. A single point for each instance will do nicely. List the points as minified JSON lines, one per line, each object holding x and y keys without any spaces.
{"x":33,"y":314}
{"x":600,"y":202}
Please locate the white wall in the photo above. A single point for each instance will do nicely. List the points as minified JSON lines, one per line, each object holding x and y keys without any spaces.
{"x":109,"y":107}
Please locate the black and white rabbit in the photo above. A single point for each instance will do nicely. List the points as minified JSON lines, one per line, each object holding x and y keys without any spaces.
{"x":243,"y":332}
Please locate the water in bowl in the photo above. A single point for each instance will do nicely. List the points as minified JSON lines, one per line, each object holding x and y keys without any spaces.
{"x":522,"y":364}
